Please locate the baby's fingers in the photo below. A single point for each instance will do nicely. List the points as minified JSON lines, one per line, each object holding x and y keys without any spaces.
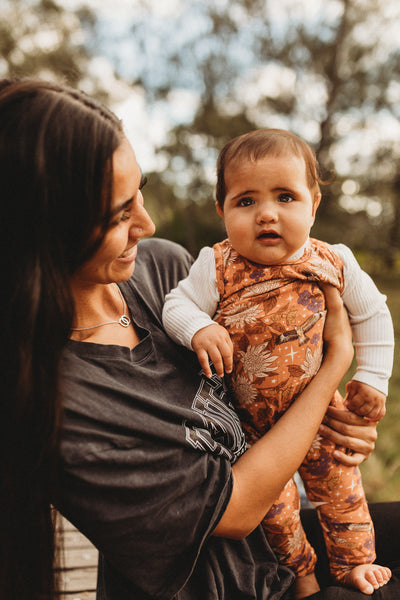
{"x":226,"y":349}
{"x":376,"y":414}
{"x":214,"y":343}
{"x":359,"y":405}
{"x":222,"y":357}
{"x":203,"y":359}
{"x":368,"y":410}
{"x":217,"y":360}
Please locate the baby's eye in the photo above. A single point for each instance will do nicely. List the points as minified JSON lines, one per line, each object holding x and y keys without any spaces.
{"x":286,"y":198}
{"x":245,"y":201}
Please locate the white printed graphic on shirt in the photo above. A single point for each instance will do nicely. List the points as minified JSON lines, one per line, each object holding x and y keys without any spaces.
{"x":222,"y":433}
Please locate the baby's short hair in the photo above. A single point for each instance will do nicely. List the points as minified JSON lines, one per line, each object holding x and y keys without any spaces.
{"x":259,"y":143}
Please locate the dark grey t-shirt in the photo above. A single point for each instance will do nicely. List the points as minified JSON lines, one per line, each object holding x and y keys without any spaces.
{"x":146,"y":457}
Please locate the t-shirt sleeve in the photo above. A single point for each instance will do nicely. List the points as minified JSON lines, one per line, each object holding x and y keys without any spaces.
{"x":148,"y":509}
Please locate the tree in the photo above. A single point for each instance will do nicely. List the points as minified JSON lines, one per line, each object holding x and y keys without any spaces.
{"x":39,"y":38}
{"x":325,"y":75}
{"x":327,"y":70}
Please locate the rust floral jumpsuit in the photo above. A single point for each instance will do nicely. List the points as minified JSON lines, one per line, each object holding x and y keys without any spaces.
{"x":275,"y":316}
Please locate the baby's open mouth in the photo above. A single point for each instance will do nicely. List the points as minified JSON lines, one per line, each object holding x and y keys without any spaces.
{"x":268,"y":235}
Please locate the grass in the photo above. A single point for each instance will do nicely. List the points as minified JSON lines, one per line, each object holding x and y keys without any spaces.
{"x":381,"y":473}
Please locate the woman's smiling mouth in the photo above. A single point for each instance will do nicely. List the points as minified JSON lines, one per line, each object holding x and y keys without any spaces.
{"x":129,"y":255}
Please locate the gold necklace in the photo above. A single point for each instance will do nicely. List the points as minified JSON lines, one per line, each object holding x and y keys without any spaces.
{"x":124,"y":320}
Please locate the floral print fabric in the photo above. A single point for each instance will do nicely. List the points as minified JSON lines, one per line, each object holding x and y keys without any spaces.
{"x":275,"y":316}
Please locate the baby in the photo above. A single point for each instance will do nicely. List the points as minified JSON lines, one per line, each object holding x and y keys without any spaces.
{"x":261,"y":285}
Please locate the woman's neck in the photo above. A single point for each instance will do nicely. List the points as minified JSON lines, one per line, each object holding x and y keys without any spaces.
{"x":97,"y":315}
{"x":95,"y":304}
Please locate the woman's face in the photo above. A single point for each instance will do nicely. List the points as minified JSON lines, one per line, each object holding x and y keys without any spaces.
{"x":114,"y":261}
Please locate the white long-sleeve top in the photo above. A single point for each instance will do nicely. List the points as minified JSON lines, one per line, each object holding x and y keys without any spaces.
{"x":192,"y":304}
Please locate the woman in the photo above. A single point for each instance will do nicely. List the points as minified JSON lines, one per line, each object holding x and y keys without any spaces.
{"x":147,"y":457}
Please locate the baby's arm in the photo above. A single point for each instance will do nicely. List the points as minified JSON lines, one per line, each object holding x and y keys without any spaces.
{"x":188,"y":311}
{"x":373,"y":338}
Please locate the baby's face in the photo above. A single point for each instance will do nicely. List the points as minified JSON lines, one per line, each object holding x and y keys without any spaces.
{"x":269,"y":208}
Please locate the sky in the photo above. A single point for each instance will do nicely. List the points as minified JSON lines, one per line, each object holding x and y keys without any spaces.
{"x":147,"y":126}
{"x":123,"y":8}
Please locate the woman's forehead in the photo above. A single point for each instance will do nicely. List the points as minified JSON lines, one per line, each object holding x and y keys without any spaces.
{"x":126,"y":173}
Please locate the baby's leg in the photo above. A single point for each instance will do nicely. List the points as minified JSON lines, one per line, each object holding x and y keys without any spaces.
{"x":287,"y":538}
{"x":336,"y":491}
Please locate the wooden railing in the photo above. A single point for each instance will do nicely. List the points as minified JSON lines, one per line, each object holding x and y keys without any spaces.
{"x":78,"y":573}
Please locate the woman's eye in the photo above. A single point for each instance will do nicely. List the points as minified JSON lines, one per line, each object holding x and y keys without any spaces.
{"x":245,"y":202}
{"x":125,"y":215}
{"x":285,"y":198}
{"x":143,"y":182}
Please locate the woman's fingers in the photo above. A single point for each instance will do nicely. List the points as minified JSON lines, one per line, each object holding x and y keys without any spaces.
{"x":348,"y":430}
{"x":337,"y":330}
{"x":349,"y":460}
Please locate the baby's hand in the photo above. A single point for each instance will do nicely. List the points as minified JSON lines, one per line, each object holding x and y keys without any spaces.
{"x":365,"y":401}
{"x":213,"y":342}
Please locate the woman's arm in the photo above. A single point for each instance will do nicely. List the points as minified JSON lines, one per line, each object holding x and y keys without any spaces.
{"x":262,"y":472}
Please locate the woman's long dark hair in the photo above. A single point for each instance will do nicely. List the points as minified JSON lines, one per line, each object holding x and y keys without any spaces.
{"x":56,"y":148}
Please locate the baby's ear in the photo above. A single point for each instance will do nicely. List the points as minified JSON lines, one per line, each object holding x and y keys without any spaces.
{"x":316,"y":203}
{"x":219,"y":210}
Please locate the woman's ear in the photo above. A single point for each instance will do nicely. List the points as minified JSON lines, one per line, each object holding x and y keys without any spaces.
{"x":219,"y":210}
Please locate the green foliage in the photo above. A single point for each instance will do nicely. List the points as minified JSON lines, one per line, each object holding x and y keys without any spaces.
{"x":192,"y":223}
{"x":39,"y":38}
{"x":326,"y":78}
{"x":331,"y":76}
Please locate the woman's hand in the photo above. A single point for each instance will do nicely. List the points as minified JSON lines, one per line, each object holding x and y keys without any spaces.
{"x":348,"y":430}
{"x":337,"y":330}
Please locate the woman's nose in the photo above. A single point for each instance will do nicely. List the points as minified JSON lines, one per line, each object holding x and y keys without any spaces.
{"x":142,"y":225}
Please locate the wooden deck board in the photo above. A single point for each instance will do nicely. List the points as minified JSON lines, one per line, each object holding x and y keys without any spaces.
{"x":78,"y":573}
{"x":80,"y":596}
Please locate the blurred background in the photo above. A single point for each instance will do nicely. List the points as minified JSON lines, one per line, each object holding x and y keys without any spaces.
{"x":187,"y":75}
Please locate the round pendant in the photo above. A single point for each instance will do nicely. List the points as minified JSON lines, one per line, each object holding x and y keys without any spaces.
{"x":124,"y":321}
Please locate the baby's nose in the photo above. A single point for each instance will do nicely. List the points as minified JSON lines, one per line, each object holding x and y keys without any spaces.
{"x":267,"y":213}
